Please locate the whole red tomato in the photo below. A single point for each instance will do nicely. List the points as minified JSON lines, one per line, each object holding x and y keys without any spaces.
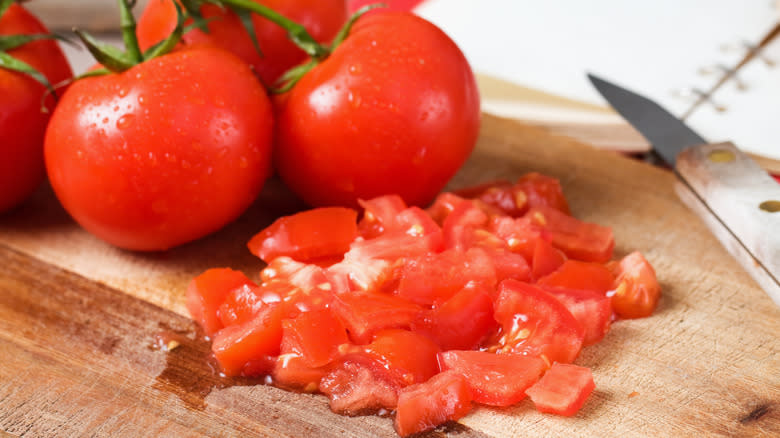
{"x":22,"y":122}
{"x":394,"y":109}
{"x":321,"y":18}
{"x":163,"y":153}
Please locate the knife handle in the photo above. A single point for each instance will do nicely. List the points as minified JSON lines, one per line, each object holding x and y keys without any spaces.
{"x":743,"y":203}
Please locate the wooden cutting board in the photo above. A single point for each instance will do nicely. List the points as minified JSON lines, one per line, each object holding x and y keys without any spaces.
{"x":81,"y":323}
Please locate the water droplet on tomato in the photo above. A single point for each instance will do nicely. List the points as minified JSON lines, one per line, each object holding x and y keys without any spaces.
{"x":80,"y":153}
{"x":354,"y":99}
{"x":141,"y":99}
{"x":122,"y":92}
{"x":355,"y":69}
{"x":125,"y":121}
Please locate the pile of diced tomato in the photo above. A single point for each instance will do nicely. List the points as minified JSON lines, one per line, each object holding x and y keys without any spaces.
{"x":485,"y":297}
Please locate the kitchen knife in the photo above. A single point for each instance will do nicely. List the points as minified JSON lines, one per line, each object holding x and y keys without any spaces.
{"x":737,"y":200}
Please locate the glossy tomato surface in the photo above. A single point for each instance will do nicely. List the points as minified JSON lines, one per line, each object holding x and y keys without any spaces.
{"x":22,"y":121}
{"x":394,"y":109}
{"x":321,"y":18}
{"x":164,"y":153}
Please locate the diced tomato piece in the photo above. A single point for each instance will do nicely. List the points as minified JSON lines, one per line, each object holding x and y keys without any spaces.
{"x":364,"y":314}
{"x":591,"y":309}
{"x":291,"y":371}
{"x":502,"y":195}
{"x":309,"y":235}
{"x":535,"y":323}
{"x":462,"y":322}
{"x":208,"y":291}
{"x":393,"y":246}
{"x":357,"y":387}
{"x":494,"y":379}
{"x":546,"y":259}
{"x":541,"y":191}
{"x":509,"y":265}
{"x":237,"y":346}
{"x":577,"y":239}
{"x":414,"y":221}
{"x":243,"y":303}
{"x":353,"y":274}
{"x":562,"y":390}
{"x":443,"y":205}
{"x":573,"y":274}
{"x":315,"y":336}
{"x":378,"y":213}
{"x":519,"y":234}
{"x":303,"y":275}
{"x":407,"y":356}
{"x":424,"y":406}
{"x":636,"y":287}
{"x":466,"y":227}
{"x":434,"y":278}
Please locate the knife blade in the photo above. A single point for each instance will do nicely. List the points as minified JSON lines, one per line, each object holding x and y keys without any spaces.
{"x":738,"y":201}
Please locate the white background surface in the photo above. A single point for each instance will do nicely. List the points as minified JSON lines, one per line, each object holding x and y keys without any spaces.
{"x":653,"y":47}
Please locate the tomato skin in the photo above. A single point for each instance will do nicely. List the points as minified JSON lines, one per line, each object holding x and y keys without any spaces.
{"x":321,"y":18}
{"x":122,"y":165}
{"x":22,"y":123}
{"x":636,"y":287}
{"x":308,"y":235}
{"x":562,"y":390}
{"x":394,"y":109}
{"x":494,"y":379}
{"x":365,"y":314}
{"x":421,"y":407}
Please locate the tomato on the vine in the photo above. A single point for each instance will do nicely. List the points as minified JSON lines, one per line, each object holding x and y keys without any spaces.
{"x":170,"y":148}
{"x":22,"y":118}
{"x":322,"y":18}
{"x":393,"y":109}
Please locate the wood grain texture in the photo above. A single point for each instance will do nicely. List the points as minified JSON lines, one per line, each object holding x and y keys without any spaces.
{"x":78,"y":317}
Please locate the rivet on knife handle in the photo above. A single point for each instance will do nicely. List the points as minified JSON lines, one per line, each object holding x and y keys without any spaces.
{"x":745,"y":199}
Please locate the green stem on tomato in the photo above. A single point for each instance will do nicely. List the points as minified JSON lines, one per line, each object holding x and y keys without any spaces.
{"x":295,"y":31}
{"x":344,"y":31}
{"x":293,"y":75}
{"x":127,"y":25}
{"x":5,"y":4}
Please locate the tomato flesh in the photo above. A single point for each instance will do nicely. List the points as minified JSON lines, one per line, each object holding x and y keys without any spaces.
{"x":462,"y":322}
{"x":562,"y":390}
{"x":315,"y":336}
{"x":577,"y":239}
{"x":433,"y":279}
{"x":494,"y":379}
{"x":306,"y":236}
{"x":207,"y":292}
{"x":235,"y":347}
{"x":574,"y":274}
{"x":364,"y":314}
{"x":591,"y":309}
{"x":421,"y":407}
{"x":535,"y":323}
